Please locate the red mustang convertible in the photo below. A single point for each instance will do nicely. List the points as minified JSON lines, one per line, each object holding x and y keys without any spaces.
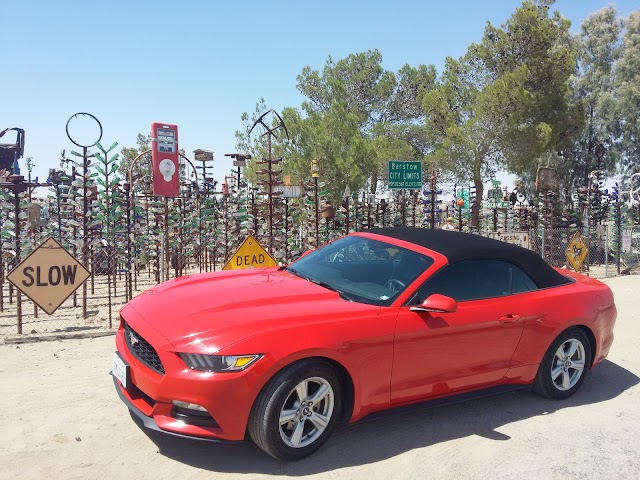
{"x":372,"y":321}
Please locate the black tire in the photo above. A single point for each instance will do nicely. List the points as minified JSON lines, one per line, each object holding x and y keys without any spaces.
{"x":560,"y":377}
{"x":280,"y":396}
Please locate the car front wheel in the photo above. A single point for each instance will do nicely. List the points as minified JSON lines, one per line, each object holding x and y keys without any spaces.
{"x":565,"y":365}
{"x":297,"y":410}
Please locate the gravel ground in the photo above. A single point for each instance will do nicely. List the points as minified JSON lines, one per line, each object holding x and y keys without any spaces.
{"x":61,"y":418}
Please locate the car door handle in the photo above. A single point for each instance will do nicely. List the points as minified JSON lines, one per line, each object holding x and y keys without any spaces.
{"x":509,"y":318}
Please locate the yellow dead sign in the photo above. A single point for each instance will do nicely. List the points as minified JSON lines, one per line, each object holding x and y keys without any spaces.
{"x":576,"y":251}
{"x":48,"y":276}
{"x":250,"y":255}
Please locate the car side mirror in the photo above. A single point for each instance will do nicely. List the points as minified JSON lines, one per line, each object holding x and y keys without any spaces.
{"x":437,"y":303}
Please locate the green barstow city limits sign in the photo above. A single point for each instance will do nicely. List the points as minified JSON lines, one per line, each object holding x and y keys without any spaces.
{"x":405,"y":174}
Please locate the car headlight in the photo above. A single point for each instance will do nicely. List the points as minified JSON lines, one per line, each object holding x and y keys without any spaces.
{"x":218,"y":363}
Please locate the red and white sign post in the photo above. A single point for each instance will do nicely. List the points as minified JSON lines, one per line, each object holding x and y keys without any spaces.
{"x":164,"y":156}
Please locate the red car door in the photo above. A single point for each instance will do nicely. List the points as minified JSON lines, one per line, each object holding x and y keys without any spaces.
{"x":440,"y":353}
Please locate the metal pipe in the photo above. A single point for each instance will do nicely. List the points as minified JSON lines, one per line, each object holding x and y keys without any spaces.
{"x":85,"y":209}
{"x":165,"y":242}
{"x":347,"y":220}
{"x":315,"y":182}
{"x":270,"y":196}
{"x":17,"y":256}
{"x":129,"y":295}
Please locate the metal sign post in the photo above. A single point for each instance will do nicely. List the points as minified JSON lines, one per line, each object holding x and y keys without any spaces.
{"x":85,"y":137}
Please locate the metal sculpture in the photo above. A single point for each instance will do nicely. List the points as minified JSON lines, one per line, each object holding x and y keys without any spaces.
{"x":270,"y":132}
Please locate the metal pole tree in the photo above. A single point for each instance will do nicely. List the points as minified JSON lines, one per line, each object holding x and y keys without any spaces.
{"x":269,"y":133}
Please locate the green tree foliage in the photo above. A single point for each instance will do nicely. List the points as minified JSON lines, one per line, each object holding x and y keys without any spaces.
{"x":627,"y":82}
{"x":465,"y":121}
{"x":598,"y":46}
{"x":506,"y":101}
{"x":535,"y":56}
{"x":357,"y":117}
{"x":334,"y":138}
{"x":528,"y":94}
{"x":108,"y":181}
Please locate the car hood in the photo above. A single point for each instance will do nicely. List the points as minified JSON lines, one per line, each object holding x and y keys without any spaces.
{"x":210,"y":311}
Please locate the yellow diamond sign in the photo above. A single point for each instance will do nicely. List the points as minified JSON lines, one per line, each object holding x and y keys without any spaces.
{"x":250,"y":255}
{"x":576,"y":251}
{"x":48,"y":276}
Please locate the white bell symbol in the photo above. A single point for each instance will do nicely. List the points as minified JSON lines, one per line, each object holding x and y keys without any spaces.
{"x":167,"y":169}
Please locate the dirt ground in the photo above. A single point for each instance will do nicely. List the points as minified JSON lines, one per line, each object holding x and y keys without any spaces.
{"x":68,"y":320}
{"x":61,"y":418}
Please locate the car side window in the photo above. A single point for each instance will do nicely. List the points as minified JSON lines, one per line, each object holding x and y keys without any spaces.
{"x":521,"y":282}
{"x":475,"y":280}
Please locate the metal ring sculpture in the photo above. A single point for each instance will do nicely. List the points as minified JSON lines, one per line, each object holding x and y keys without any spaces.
{"x":90,"y":116}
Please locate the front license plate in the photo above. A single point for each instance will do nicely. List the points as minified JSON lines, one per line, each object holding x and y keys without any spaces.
{"x":120,"y":369}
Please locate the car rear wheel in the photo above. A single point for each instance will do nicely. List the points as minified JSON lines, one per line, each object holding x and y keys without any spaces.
{"x":297,"y":410}
{"x":564,"y":366}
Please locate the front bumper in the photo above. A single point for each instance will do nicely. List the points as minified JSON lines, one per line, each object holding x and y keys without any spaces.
{"x":227,"y":397}
{"x":149,"y":423}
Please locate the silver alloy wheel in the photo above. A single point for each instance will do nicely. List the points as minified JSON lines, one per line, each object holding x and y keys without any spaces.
{"x":306,"y":412}
{"x":568,"y":364}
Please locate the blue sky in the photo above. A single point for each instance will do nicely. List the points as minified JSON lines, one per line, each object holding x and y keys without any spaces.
{"x":200,"y":64}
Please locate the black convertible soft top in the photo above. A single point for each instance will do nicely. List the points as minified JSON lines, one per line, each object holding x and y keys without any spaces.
{"x":459,"y":246}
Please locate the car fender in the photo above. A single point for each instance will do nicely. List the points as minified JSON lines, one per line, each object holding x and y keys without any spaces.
{"x":367,"y":361}
{"x":572,"y":305}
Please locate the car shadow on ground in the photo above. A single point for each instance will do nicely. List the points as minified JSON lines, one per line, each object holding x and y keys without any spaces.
{"x":398,"y":432}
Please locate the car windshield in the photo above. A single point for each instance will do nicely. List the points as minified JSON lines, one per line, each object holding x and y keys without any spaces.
{"x":361,"y":269}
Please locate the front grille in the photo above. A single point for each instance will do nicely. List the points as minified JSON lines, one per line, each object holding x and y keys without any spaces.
{"x":142,"y":350}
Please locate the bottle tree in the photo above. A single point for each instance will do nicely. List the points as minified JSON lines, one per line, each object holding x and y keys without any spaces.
{"x":237,"y":218}
{"x":600,"y":201}
{"x":432,"y":204}
{"x":314,"y":234}
{"x":294,"y":218}
{"x":190,"y":219}
{"x":140,"y":239}
{"x":618,"y":221}
{"x":359,"y":211}
{"x":225,"y":227}
{"x":109,"y":209}
{"x":7,"y":232}
{"x":13,"y":233}
{"x":157,"y":251}
{"x":340,"y":219}
{"x":176,"y":236}
{"x":208,"y":224}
